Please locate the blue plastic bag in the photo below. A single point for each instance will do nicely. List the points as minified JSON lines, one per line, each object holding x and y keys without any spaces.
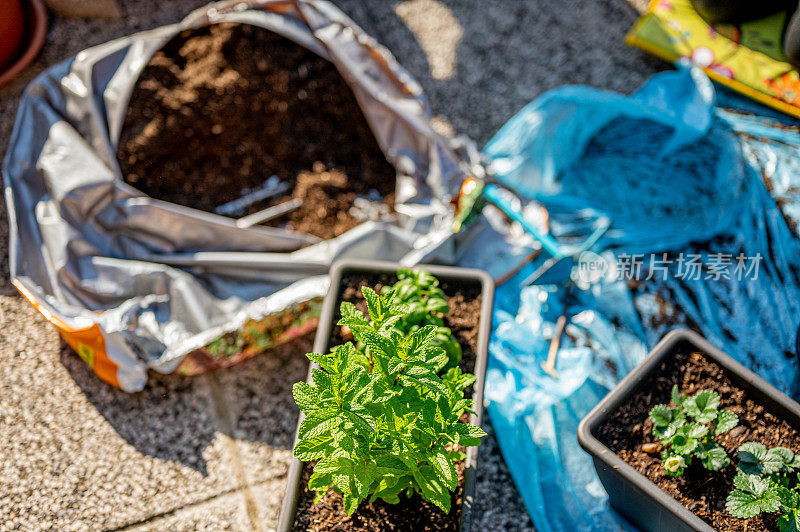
{"x":670,"y":169}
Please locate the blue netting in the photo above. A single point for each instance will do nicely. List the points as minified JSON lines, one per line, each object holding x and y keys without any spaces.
{"x":676,"y":173}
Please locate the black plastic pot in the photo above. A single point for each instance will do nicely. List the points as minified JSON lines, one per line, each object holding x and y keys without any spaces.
{"x":630,"y":492}
{"x":322,"y":344}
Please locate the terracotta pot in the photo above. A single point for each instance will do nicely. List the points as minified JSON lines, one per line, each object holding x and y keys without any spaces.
{"x":12,"y":29}
{"x":23,"y":26}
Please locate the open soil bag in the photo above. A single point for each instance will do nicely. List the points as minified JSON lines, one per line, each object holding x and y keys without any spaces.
{"x":133,"y":282}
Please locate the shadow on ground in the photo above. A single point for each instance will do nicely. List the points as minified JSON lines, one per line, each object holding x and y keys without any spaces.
{"x":176,"y":417}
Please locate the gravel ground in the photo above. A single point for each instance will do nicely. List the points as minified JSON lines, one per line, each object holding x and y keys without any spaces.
{"x":211,"y":452}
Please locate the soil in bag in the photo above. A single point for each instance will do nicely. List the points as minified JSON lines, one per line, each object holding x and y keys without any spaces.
{"x":702,"y":492}
{"x":464,"y":298}
{"x":220,"y":110}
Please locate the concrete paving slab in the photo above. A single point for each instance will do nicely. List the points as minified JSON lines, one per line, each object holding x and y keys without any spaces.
{"x":226,"y":512}
{"x":78,"y":454}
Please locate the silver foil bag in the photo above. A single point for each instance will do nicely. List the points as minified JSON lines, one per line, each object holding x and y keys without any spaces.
{"x":134,"y":283}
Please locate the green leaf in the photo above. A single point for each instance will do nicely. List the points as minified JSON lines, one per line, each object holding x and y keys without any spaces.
{"x":683,"y":444}
{"x":306,"y":397}
{"x":350,"y":504}
{"x":468,"y":435}
{"x":433,"y":489}
{"x":375,"y":341}
{"x":714,"y":457}
{"x":318,"y":422}
{"x":789,"y":461}
{"x":323,"y":361}
{"x":789,"y":522}
{"x":444,"y":466}
{"x":696,"y":430}
{"x":789,"y":499}
{"x":313,"y":448}
{"x":437,"y":304}
{"x":774,"y":461}
{"x":351,"y":316}
{"x":752,"y":496}
{"x":375,"y":303}
{"x":726,"y":420}
{"x":751,"y":456}
{"x":661,"y":416}
{"x":702,"y":406}
{"x":677,"y":399}
{"x":320,"y":481}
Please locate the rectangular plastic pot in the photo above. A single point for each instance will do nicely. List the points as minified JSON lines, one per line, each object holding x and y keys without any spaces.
{"x":630,"y":492}
{"x":321,"y":345}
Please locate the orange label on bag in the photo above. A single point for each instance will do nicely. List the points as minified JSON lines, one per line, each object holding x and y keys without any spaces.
{"x":88,"y":342}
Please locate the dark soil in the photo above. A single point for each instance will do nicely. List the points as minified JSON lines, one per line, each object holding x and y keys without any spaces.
{"x":702,"y":492}
{"x":413,"y":514}
{"x":221,"y":109}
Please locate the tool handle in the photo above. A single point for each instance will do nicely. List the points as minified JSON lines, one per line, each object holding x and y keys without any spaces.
{"x":495,"y":195}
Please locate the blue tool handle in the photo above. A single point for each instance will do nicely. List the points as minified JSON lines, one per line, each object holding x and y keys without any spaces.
{"x":495,"y":195}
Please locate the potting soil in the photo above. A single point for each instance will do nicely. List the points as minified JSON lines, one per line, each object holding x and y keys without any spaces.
{"x":221,"y":109}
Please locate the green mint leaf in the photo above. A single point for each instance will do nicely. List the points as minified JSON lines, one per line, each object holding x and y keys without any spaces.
{"x":323,"y":361}
{"x":320,"y":481}
{"x":318,"y":422}
{"x":443,"y":465}
{"x":375,"y":303}
{"x":313,"y":448}
{"x":350,"y":504}
{"x":306,"y":397}
{"x":351,"y":316}
{"x":375,"y":341}
{"x":433,"y":489}
{"x":468,"y":435}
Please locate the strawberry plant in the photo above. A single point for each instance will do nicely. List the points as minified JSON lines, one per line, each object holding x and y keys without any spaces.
{"x":687,"y":430}
{"x":383,"y":421}
{"x":425,"y":303}
{"x":767,"y":481}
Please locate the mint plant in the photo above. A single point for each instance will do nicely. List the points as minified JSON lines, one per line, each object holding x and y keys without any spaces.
{"x":384,"y":421}
{"x":687,"y":431}
{"x":419,"y":291}
{"x":767,"y":481}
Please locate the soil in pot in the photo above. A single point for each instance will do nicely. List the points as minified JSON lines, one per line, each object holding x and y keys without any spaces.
{"x":700,"y":491}
{"x":464,"y":298}
{"x":221,"y":109}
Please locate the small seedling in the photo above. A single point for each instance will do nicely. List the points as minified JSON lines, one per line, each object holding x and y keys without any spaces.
{"x":767,"y":481}
{"x":687,"y":431}
{"x":384,"y":421}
